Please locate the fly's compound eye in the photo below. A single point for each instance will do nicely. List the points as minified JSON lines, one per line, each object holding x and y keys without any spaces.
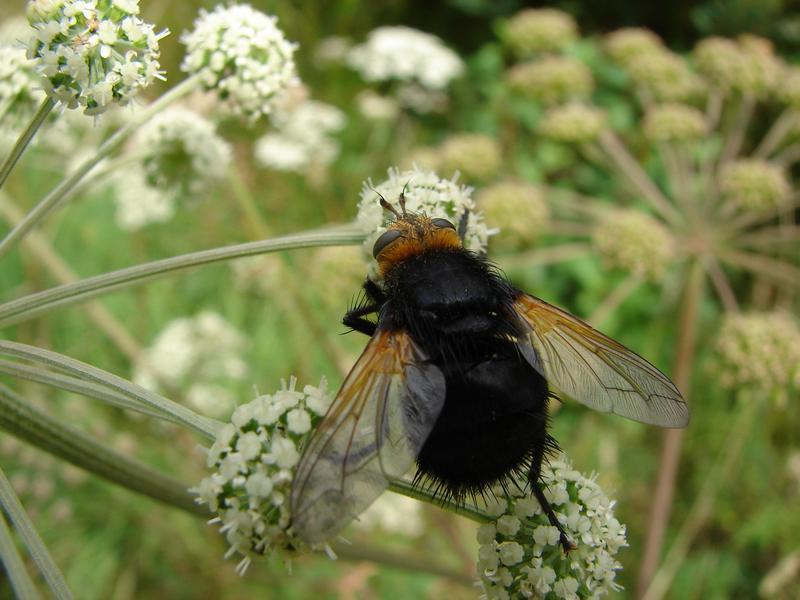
{"x":386,"y":238}
{"x":443,"y":224}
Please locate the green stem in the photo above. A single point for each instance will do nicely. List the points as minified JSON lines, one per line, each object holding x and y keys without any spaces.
{"x":49,"y":202}
{"x":36,"y":427}
{"x":727,"y":460}
{"x":21,"y":582}
{"x":25,"y":139}
{"x":171,"y":410}
{"x":411,"y":563}
{"x":19,"y":518}
{"x":75,"y":385}
{"x":775,"y":136}
{"x":34,"y":304}
{"x":631,"y":169}
{"x":404,"y":488}
{"x":673,"y":438}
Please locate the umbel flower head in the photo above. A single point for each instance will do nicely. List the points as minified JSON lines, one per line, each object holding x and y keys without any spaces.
{"x":254,"y":457}
{"x":196,"y":355}
{"x":573,"y":123}
{"x":760,"y":352}
{"x":303,"y":137}
{"x":242,"y":55}
{"x":520,"y":555}
{"x":93,"y":53}
{"x":634,"y":241}
{"x":626,"y":44}
{"x":674,"y":123}
{"x":517,"y":209}
{"x":476,"y":156}
{"x":746,"y":65}
{"x":425,"y":193}
{"x":551,"y":80}
{"x":183,"y":153}
{"x":137,"y":202}
{"x":754,"y":185}
{"x":539,"y":30}
{"x":405,"y":54}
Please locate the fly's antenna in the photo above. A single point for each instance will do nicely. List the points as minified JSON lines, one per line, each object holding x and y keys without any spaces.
{"x":403,"y":197}
{"x":385,"y":204}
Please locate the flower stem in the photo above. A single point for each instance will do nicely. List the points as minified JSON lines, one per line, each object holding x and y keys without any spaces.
{"x":48,"y":203}
{"x":726,"y":462}
{"x":41,"y":302}
{"x":21,"y":582}
{"x":777,"y":133}
{"x":169,"y":409}
{"x":46,"y":254}
{"x":36,"y":427}
{"x":741,"y":121}
{"x":404,"y":488}
{"x":25,"y":139}
{"x":673,"y":438}
{"x":614,"y":300}
{"x":74,"y":384}
{"x":407,"y":563}
{"x":38,"y":551}
{"x":629,"y":167}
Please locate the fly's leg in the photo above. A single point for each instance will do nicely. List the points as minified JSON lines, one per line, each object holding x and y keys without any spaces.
{"x":355,"y":318}
{"x":536,"y":487}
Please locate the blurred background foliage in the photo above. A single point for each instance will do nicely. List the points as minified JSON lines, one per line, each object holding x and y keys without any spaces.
{"x":113,"y":544}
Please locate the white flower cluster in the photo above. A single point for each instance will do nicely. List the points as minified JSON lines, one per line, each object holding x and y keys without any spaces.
{"x":425,"y":193}
{"x":241,"y":53}
{"x":759,"y":351}
{"x":195,"y":355}
{"x":254,"y":457}
{"x":93,"y":53}
{"x":520,"y":555}
{"x":517,"y":209}
{"x":405,"y":54}
{"x":183,"y":152}
{"x":302,"y":138}
{"x":138,"y":203}
{"x":19,"y":86}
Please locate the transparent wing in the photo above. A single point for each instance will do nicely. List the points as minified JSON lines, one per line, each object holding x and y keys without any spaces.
{"x":595,"y":370}
{"x":376,"y":426}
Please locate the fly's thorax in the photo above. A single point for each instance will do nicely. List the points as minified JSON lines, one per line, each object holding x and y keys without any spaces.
{"x":449,"y":298}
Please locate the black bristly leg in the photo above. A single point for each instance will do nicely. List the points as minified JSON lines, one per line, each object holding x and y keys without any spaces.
{"x":374,"y":292}
{"x":354,"y":319}
{"x":566,"y":544}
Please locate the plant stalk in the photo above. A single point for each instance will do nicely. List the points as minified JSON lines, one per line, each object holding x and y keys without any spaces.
{"x":673,"y":438}
{"x":25,"y":139}
{"x":38,"y":551}
{"x":65,"y":442}
{"x":41,"y":302}
{"x":170,"y":410}
{"x":46,"y":205}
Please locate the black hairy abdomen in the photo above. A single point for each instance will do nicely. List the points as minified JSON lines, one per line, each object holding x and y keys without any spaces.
{"x":494,"y":420}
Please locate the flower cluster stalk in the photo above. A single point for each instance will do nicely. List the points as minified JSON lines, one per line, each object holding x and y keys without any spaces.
{"x":49,"y":202}
{"x":25,"y":139}
{"x":34,"y":426}
{"x":19,"y":518}
{"x":673,"y":438}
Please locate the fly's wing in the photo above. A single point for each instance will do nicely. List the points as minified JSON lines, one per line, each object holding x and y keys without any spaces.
{"x":595,"y":370}
{"x":376,"y":426}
